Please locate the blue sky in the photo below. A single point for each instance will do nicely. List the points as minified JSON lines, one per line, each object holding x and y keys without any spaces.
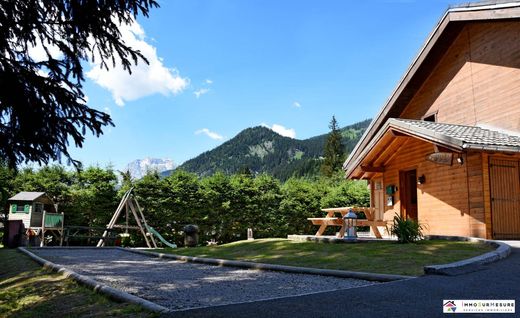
{"x":220,"y":66}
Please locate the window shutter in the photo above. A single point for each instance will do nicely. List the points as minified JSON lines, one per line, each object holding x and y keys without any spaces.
{"x":26,"y":208}
{"x":13,"y":208}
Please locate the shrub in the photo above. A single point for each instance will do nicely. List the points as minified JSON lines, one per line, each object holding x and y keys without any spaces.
{"x":406,"y":230}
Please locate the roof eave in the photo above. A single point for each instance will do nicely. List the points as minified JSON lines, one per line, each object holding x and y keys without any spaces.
{"x":413,"y":131}
{"x":497,"y":148}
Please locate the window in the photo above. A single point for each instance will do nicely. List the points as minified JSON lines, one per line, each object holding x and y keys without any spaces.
{"x":38,"y":208}
{"x":20,"y":208}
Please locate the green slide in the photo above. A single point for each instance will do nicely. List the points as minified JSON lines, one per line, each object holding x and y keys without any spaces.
{"x":159,"y":236}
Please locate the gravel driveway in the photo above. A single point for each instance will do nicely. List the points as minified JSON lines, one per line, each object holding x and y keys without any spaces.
{"x":178,"y":285}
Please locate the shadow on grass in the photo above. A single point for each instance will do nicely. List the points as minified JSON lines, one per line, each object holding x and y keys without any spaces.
{"x":26,"y":290}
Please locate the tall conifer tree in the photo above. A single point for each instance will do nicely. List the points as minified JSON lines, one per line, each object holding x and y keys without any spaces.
{"x":333,"y":152}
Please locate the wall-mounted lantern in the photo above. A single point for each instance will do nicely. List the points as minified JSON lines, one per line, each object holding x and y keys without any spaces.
{"x":421,"y":179}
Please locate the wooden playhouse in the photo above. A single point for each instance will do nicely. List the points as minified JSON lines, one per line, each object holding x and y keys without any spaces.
{"x":36,"y":217}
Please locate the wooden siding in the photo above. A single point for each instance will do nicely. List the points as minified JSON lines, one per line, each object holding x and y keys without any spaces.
{"x":443,"y":199}
{"x":477,"y":224}
{"x":487,"y":195}
{"x":25,"y":217}
{"x":478,"y":75}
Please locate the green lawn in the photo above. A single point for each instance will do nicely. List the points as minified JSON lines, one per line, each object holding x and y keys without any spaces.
{"x":27,"y":290}
{"x":377,"y":257}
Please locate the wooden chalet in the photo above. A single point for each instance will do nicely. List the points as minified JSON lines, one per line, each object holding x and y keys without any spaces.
{"x":445,"y":148}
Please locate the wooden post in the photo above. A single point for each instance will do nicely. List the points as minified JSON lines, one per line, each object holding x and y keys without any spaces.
{"x":62,"y":233}
{"x":132,"y":208}
{"x":144,"y":221}
{"x":42,"y":243}
{"x":487,"y":196}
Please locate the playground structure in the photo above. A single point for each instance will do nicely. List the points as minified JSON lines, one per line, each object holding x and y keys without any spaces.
{"x":130,"y":206}
{"x":33,"y":218}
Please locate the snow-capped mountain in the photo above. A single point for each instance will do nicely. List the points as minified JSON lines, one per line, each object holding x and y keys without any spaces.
{"x":138,"y":168}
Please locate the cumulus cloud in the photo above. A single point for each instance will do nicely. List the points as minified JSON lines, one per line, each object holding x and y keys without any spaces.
{"x":146,"y":79}
{"x":296,"y":104}
{"x":209,"y":133}
{"x":281,"y":130}
{"x":208,"y":81}
{"x":200,"y":92}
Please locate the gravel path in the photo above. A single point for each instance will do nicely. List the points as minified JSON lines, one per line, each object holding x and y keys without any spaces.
{"x":178,"y":285}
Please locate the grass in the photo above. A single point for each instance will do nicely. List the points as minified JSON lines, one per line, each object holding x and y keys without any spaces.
{"x":376,"y":257}
{"x":27,"y":290}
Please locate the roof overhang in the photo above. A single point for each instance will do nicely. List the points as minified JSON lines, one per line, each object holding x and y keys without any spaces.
{"x":370,"y":161}
{"x":444,"y":33}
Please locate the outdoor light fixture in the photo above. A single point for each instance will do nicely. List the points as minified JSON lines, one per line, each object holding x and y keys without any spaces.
{"x":350,"y":220}
{"x":460,"y":160}
{"x":421,"y":179}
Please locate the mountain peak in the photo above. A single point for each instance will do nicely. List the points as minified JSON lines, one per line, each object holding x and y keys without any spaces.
{"x":140,"y":167}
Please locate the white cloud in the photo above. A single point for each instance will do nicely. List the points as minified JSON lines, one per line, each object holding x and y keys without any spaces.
{"x":38,"y":53}
{"x":200,"y":92}
{"x":208,"y":81}
{"x":209,"y":133}
{"x":296,"y":104}
{"x":279,"y":129}
{"x":146,"y":79}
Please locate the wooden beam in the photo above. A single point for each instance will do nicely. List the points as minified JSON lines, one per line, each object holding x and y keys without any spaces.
{"x":437,"y":148}
{"x":133,"y":210}
{"x":124,"y":226}
{"x":396,"y":133}
{"x":372,"y":169}
{"x":382,"y":152}
{"x":388,"y":151}
{"x":395,"y":152}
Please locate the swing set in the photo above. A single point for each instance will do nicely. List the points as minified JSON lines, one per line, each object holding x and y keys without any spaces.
{"x":131,"y":207}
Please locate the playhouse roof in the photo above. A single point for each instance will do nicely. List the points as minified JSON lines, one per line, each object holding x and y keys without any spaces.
{"x":27,"y":196}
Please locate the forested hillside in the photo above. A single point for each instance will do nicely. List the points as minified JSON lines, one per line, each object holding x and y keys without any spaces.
{"x":261,"y":150}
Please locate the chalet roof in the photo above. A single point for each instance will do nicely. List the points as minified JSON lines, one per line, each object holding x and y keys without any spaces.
{"x":465,"y":137}
{"x":444,"y":33}
{"x":455,"y":137}
{"x":27,"y":196}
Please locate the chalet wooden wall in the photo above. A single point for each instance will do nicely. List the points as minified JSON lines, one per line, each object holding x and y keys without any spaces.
{"x":477,"y":82}
{"x":477,"y":225}
{"x":444,"y":203}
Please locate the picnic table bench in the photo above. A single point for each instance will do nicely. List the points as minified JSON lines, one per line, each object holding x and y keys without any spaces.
{"x":331,"y":220}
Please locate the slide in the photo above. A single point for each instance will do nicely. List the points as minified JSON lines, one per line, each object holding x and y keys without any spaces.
{"x":159,"y":236}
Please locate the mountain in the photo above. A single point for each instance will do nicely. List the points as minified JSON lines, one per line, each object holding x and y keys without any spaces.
{"x":259,"y":149}
{"x":138,"y":168}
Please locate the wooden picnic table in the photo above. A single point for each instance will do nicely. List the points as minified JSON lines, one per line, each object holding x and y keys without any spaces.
{"x":331,"y":220}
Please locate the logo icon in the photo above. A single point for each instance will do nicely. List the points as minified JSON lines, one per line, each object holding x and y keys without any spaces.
{"x":450,"y":306}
